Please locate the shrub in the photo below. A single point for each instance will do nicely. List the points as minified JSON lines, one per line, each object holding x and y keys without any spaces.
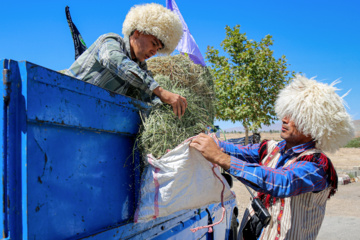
{"x":354,"y":143}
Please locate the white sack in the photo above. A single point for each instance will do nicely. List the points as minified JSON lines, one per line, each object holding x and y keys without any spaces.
{"x":181,"y":179}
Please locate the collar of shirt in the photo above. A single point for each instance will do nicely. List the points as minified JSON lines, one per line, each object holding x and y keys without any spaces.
{"x":285,"y":156}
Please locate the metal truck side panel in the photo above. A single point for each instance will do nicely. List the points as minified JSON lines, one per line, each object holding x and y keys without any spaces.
{"x":69,"y":168}
{"x":80,"y":174}
{"x":3,"y":131}
{"x":13,"y":121}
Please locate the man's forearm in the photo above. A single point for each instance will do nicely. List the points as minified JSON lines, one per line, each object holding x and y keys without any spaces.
{"x":295,"y":179}
{"x":248,"y":153}
{"x":223,"y":160}
{"x":159,"y":91}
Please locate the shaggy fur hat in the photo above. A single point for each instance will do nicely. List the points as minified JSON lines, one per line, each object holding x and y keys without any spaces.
{"x":317,"y":111}
{"x":156,"y":20}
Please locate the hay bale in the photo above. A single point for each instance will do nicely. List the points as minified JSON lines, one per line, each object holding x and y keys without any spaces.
{"x":187,"y":75}
{"x":161,"y":129}
{"x":181,"y":69}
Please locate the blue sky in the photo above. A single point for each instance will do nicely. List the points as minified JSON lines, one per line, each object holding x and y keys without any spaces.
{"x":319,"y":38}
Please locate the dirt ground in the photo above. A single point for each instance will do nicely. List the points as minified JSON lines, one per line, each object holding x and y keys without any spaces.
{"x":343,"y":210}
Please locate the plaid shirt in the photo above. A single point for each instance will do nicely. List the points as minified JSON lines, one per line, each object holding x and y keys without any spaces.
{"x":108,"y":64}
{"x":297,"y":178}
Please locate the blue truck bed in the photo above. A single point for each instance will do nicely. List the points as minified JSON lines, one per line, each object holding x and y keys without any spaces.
{"x":69,"y":170}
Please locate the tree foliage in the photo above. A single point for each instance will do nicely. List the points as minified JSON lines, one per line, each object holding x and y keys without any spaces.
{"x":247,"y":79}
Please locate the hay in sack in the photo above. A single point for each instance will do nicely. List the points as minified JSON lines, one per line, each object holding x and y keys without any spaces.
{"x":179,"y":179}
{"x":162,"y":130}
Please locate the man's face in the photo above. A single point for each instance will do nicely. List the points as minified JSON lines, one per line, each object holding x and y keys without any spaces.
{"x":290,"y":133}
{"x":144,"y":46}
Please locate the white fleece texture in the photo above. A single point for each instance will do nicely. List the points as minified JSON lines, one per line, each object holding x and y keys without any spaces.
{"x":317,"y":111}
{"x":156,"y":20}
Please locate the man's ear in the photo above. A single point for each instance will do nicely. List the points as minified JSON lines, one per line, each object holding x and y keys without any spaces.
{"x":136,"y":34}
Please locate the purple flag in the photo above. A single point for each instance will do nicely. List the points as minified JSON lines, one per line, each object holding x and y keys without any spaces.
{"x":187,"y":43}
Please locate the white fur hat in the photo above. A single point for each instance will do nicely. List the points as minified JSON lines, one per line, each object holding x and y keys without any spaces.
{"x":156,"y":20}
{"x":317,"y":111}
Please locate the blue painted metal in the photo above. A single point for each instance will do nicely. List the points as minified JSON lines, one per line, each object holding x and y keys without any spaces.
{"x":3,"y":139}
{"x":14,"y":125}
{"x":69,"y":170}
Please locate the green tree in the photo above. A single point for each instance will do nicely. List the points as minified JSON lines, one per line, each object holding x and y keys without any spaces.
{"x":247,"y":79}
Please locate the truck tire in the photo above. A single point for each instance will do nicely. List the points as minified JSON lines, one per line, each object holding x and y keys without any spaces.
{"x":233,"y":228}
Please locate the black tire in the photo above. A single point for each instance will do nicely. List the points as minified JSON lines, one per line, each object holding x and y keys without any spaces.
{"x":233,"y":228}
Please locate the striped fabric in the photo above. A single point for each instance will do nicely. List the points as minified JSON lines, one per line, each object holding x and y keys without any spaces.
{"x":107,"y":63}
{"x":296,"y":217}
{"x":276,"y":179}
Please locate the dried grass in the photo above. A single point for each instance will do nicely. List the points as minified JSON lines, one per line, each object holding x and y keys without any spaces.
{"x":161,"y":129}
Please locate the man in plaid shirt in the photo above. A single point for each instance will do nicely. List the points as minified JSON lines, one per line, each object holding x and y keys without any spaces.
{"x":118,"y":64}
{"x":293,"y":178}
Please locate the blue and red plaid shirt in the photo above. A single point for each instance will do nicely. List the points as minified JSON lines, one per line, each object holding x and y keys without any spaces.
{"x":311,"y":173}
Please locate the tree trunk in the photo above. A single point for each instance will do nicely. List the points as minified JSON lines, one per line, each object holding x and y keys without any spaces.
{"x":246,"y":136}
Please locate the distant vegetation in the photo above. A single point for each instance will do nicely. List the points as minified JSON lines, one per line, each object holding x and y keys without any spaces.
{"x":233,"y":131}
{"x":272,"y":131}
{"x":354,"y":143}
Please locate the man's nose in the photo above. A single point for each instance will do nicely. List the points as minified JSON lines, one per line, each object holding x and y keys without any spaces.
{"x":153,"y":52}
{"x":285,"y":119}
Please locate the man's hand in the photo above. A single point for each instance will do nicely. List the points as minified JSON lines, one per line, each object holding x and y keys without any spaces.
{"x":208,"y":148}
{"x":178,"y":103}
